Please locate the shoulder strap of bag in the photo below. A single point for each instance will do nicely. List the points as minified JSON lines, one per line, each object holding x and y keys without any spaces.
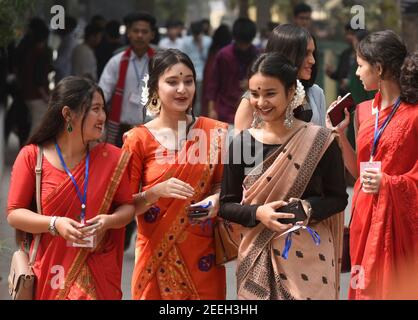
{"x":38,"y":172}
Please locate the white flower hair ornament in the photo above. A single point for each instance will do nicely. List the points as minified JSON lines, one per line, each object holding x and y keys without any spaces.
{"x":145,"y":91}
{"x":296,"y":101}
{"x":298,"y":97}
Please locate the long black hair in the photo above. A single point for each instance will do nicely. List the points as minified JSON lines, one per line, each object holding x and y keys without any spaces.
{"x":292,"y":41}
{"x":74,"y":92}
{"x":387,"y":49}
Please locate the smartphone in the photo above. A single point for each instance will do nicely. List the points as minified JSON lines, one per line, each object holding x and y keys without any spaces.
{"x":296,"y":208}
{"x":200,"y":210}
{"x":336,"y":114}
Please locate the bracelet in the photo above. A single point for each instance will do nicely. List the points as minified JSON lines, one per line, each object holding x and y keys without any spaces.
{"x":51,"y":228}
{"x":148,"y":204}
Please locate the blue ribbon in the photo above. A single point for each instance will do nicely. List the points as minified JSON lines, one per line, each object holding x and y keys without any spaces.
{"x":288,"y":241}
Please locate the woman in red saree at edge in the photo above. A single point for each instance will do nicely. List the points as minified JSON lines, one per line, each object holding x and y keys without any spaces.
{"x":384,"y":227}
{"x":99,"y":184}
{"x":176,"y":161}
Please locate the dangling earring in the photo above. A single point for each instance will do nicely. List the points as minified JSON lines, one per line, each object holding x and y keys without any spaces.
{"x":256,"y":120}
{"x":154,"y":107}
{"x":69,"y":127}
{"x":379,"y":84}
{"x":288,"y":121}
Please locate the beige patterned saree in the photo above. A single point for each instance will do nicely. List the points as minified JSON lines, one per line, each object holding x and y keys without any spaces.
{"x":311,"y":271}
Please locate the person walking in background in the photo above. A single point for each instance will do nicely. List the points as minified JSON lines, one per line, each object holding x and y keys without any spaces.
{"x":84,"y":193}
{"x":83,"y":61}
{"x":302,"y":15}
{"x":229,"y":74}
{"x":383,"y":230}
{"x":68,"y":37}
{"x":122,"y":76}
{"x":173,"y":40}
{"x":34,"y":62}
{"x":298,"y":45}
{"x":221,"y":38}
{"x":196,"y":46}
{"x":111,"y":42}
{"x":293,"y":160}
{"x":174,"y":256}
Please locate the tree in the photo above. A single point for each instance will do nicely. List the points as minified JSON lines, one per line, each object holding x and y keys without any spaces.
{"x":410,"y":25}
{"x":263,"y":13}
{"x":12,"y":18}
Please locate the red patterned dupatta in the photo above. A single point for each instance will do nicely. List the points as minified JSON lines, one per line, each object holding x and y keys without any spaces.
{"x":65,"y":272}
{"x":175,"y":260}
{"x":384,"y":229}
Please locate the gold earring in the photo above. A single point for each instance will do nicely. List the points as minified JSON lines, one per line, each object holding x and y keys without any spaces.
{"x":155,"y":105}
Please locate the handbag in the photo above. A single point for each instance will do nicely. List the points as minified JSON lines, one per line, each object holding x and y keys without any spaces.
{"x":21,"y":277}
{"x":227,"y":236}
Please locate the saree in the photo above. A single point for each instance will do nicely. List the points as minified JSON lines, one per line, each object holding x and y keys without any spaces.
{"x":311,"y":271}
{"x":384,"y":228}
{"x":67,"y":272}
{"x":173,"y":258}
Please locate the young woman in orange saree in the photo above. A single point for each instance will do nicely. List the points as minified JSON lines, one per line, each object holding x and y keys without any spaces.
{"x":64,"y":271}
{"x":174,"y":258}
{"x":384,"y":226}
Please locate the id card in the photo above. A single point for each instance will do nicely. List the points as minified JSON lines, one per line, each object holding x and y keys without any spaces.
{"x":90,"y":244}
{"x":376,"y":165}
{"x":134,"y":98}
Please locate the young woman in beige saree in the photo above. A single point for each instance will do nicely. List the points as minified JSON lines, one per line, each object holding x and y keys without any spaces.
{"x":301,"y":161}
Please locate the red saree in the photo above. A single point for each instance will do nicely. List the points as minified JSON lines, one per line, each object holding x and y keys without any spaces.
{"x":65,"y":272}
{"x":174,"y":259}
{"x":384,"y":229}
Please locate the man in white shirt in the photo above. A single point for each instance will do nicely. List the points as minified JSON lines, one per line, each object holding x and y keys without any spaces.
{"x":173,"y":39}
{"x":196,"y":47}
{"x":122,"y":77}
{"x":84,"y":63}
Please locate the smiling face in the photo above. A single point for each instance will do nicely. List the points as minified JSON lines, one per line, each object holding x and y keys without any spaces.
{"x":305,"y":71}
{"x":94,"y":121}
{"x":268,"y":97}
{"x":176,"y":88}
{"x":368,"y":74}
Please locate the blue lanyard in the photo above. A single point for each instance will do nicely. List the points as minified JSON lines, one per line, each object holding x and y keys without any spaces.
{"x":288,"y":242}
{"x":379,"y":131}
{"x":83,"y":197}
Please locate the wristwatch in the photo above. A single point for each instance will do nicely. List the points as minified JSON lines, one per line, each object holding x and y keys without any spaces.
{"x":51,"y":228}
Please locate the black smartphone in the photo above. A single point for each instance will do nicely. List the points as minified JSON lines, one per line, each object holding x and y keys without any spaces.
{"x":296,"y":208}
{"x":198,"y":211}
{"x":336,"y":114}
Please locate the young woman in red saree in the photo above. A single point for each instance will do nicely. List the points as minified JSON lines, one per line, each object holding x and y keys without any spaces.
{"x":384,"y":227}
{"x":74,"y":121}
{"x":174,"y":257}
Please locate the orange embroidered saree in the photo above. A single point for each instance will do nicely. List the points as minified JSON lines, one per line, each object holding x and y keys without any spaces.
{"x":174,"y":259}
{"x":62,"y":271}
{"x":384,"y":228}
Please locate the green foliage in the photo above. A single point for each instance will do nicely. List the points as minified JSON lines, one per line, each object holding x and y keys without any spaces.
{"x":12,"y":18}
{"x":170,"y":9}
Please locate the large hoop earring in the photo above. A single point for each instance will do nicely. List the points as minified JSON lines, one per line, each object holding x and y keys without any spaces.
{"x":154,"y":106}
